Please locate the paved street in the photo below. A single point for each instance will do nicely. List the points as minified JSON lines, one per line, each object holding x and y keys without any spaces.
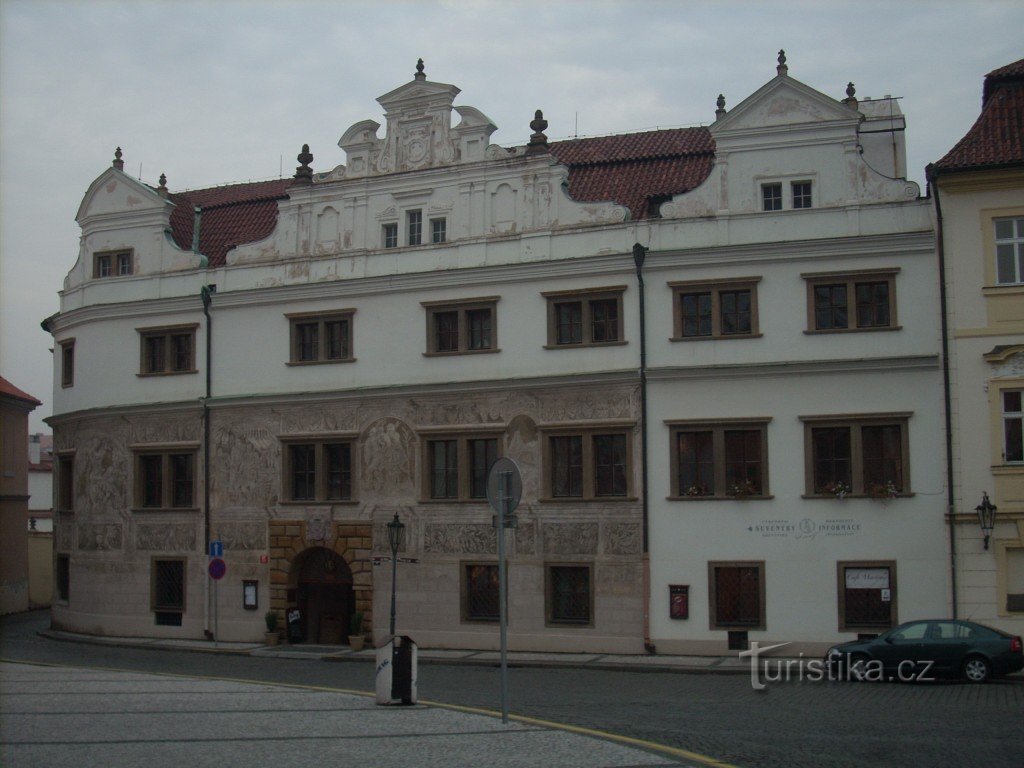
{"x":789,"y":725}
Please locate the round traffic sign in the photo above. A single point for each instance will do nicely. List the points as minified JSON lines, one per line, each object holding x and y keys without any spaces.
{"x":504,"y":483}
{"x":217,"y":568}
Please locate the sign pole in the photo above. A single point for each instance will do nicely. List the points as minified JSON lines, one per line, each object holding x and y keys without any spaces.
{"x":504,"y":499}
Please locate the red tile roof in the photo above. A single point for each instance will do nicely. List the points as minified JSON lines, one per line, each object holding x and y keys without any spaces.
{"x":634,"y":170}
{"x":231,"y":215}
{"x":9,"y":390}
{"x":637,"y":169}
{"x":997,"y":137}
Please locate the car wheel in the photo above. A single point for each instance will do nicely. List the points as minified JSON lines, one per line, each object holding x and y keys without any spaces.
{"x":977,"y":669}
{"x":857,"y":667}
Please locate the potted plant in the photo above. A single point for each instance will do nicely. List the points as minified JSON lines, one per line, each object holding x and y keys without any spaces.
{"x":836,"y":488}
{"x":355,"y":636}
{"x":272,"y":637}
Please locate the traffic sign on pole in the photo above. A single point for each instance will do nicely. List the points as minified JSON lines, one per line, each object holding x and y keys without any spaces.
{"x":217,"y":569}
{"x":217,"y":548}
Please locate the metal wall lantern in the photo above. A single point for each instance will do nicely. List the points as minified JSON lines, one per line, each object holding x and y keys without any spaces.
{"x":986,"y":516}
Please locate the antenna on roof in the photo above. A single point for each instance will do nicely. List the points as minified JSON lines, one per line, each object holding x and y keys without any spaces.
{"x":280,"y":166}
{"x":140,"y":171}
{"x":576,"y":129}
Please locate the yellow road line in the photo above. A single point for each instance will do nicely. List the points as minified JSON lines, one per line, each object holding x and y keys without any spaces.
{"x":592,"y":732}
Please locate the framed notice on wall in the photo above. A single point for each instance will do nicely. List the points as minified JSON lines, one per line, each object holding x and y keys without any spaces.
{"x":679,"y":601}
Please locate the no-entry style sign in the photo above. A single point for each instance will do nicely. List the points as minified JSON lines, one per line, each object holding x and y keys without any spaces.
{"x":217,"y":569}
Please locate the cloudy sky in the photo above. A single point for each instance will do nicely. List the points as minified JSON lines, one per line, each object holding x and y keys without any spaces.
{"x":217,"y":92}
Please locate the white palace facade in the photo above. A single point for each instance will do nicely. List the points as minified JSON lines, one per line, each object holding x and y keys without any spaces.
{"x":283,"y":366}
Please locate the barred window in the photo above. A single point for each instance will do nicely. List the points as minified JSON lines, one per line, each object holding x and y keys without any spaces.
{"x":480,"y":592}
{"x":569,"y":595}
{"x":737,"y":595}
{"x":168,"y":591}
{"x":867,"y":595}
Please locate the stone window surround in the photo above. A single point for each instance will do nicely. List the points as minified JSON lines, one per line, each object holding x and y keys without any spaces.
{"x":296,"y":319}
{"x":715,"y":287}
{"x":549,"y":620}
{"x":167,"y":332}
{"x":718,"y":427}
{"x":855,"y":422}
{"x":114,"y":261}
{"x":713,"y":624}
{"x":463,"y":434}
{"x":319,"y":440}
{"x":785,"y":183}
{"x":464,"y":566}
{"x":64,"y":465}
{"x":585,"y":296}
{"x":164,"y":450}
{"x":67,"y":362}
{"x":586,"y":429}
{"x":851,"y":278}
{"x":463,"y":307}
{"x":841,"y":567}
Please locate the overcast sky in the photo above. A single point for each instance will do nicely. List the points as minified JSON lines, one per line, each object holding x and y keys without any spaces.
{"x":217,"y":92}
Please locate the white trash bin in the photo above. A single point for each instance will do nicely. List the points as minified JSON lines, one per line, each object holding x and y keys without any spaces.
{"x":396,"y":670}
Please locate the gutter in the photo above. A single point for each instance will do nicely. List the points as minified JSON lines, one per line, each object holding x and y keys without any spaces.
{"x":206,"y":295}
{"x":639,"y":254}
{"x":932,"y":176}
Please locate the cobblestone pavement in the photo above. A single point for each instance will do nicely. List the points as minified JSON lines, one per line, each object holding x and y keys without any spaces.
{"x":788,"y":725}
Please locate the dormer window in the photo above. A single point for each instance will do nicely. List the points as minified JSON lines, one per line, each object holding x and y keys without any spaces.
{"x":112,"y":263}
{"x":775,"y":198}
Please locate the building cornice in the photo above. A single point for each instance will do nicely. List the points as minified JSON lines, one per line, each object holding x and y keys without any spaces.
{"x":796,"y":368}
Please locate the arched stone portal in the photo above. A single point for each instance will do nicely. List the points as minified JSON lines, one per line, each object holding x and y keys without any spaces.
{"x":325,"y":579}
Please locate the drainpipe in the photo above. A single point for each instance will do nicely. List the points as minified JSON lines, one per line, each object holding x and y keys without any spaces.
{"x":933,"y":185}
{"x":639,"y":254}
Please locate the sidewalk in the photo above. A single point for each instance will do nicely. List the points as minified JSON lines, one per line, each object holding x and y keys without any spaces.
{"x":656,"y":663}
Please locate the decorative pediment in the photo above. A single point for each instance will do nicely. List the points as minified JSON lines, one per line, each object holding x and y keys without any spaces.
{"x":419,"y":132}
{"x":782,"y":101}
{"x":115,"y":192}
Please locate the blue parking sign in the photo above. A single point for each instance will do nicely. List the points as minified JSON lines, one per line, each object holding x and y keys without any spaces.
{"x":216,"y":549}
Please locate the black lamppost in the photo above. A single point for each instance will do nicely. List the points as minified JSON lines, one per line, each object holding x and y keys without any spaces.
{"x":986,"y":516}
{"x":395,"y":530}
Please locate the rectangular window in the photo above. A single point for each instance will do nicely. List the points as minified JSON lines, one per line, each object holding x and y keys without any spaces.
{"x":719,"y":460}
{"x":867,"y":596}
{"x":165,"y":479}
{"x":714,"y":309}
{"x":584,"y":318}
{"x":1009,"y":251}
{"x":321,"y":337}
{"x":67,"y":363}
{"x":112,"y":263}
{"x":319,"y":471}
{"x":168,"y":350}
{"x":771,"y":197}
{"x":801,"y":194}
{"x":438,"y":230}
{"x":389,"y":235}
{"x":462,"y":327}
{"x":590,"y":464}
{"x":167,"y":595}
{"x":480,"y":592}
{"x":569,"y":595}
{"x":858,"y":456}
{"x":457,"y":466}
{"x":66,"y":483}
{"x":62,"y":578}
{"x":1013,"y":426}
{"x":414,"y":227}
{"x":737,"y":595}
{"x":851,"y":302}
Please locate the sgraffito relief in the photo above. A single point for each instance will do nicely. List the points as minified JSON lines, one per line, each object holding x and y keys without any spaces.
{"x":570,"y":538}
{"x":166,"y":537}
{"x":102,"y":456}
{"x":318,"y":529}
{"x":243,"y":536}
{"x":524,"y":449}
{"x":100,"y":537}
{"x":166,"y":428}
{"x":245,"y":466}
{"x":459,"y":538}
{"x":526,"y":539}
{"x":65,"y":535}
{"x":622,"y":539}
{"x":389,"y":458}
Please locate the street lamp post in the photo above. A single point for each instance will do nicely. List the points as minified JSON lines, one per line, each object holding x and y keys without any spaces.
{"x":986,"y":516}
{"x":395,"y":530}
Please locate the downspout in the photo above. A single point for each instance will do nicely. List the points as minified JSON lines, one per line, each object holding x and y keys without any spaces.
{"x":932,"y":177}
{"x":205,"y":295}
{"x":639,"y":254}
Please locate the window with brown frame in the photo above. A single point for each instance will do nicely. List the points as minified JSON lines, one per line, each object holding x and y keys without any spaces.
{"x":715,"y":309}
{"x":167,"y":351}
{"x":569,"y":594}
{"x":319,"y":470}
{"x":867,"y":596}
{"x":480,"y":595}
{"x":719,"y":459}
{"x":167,"y":591}
{"x":113,"y":263}
{"x":736,"y":595}
{"x":584,"y":318}
{"x":861,"y":301}
{"x":586,"y":464}
{"x":857,"y":455}
{"x":1013,"y":425}
{"x":67,"y":363}
{"x":165,"y":478}
{"x":321,"y":337}
{"x":456,"y":466}
{"x":462,"y":327}
{"x":66,"y":482}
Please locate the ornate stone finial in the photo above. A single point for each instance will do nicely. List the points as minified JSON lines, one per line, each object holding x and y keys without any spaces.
{"x":162,"y":189}
{"x":538,"y":141}
{"x":851,"y":96}
{"x":720,"y":112}
{"x":118,"y":162}
{"x":304,"y":173}
{"x":782,"y":69}
{"x":419,"y":70}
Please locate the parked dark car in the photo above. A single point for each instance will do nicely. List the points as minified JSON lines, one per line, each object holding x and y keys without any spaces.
{"x":925,"y":650}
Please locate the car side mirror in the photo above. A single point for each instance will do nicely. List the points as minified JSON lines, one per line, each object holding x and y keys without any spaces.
{"x":889,"y":640}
